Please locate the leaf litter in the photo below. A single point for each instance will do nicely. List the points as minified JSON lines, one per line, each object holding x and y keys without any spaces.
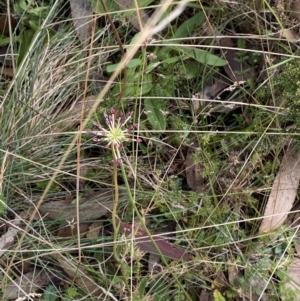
{"x":283,"y":192}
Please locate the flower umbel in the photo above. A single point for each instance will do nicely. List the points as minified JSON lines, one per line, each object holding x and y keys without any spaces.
{"x":118,"y":131}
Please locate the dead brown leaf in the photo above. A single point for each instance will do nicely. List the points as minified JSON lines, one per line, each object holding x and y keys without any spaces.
{"x":289,"y":34}
{"x":295,"y":8}
{"x":81,"y":277}
{"x":132,"y":17}
{"x":82,"y":14}
{"x":93,"y":230}
{"x":293,"y":272}
{"x":236,"y":69}
{"x":7,"y":72}
{"x":206,"y":296}
{"x":72,"y":116}
{"x":6,"y":57}
{"x":92,"y":206}
{"x":7,"y":239}
{"x":70,"y":230}
{"x":283,"y":192}
{"x":233,"y":275}
{"x":4,"y":24}
{"x":142,"y":239}
{"x":28,"y":283}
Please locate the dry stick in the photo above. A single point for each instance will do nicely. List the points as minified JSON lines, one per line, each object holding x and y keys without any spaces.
{"x":79,"y":138}
{"x":138,"y":14}
{"x":149,"y":29}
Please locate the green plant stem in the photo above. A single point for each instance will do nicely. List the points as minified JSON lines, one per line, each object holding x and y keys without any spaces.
{"x":115,"y":206}
{"x":141,"y":220}
{"x":115,"y":219}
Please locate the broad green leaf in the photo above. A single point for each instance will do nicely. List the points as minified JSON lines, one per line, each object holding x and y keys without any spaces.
{"x":142,"y":286}
{"x":201,"y":56}
{"x":187,"y":27}
{"x":171,"y":60}
{"x":21,"y":6}
{"x":131,"y":64}
{"x":6,"y":40}
{"x":112,"y":7}
{"x":191,"y":70}
{"x":132,"y":9}
{"x":27,"y":37}
{"x":218,"y":296}
{"x":134,"y":87}
{"x":40,"y":11}
{"x":145,"y":3}
{"x":147,"y":85}
{"x":133,"y":41}
{"x":51,"y":293}
{"x":155,"y":116}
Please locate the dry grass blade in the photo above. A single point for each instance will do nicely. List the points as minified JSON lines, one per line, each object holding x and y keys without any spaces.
{"x":82,"y":14}
{"x":283,"y":192}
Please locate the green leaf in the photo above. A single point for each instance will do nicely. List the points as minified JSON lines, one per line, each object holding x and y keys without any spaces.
{"x":112,"y":6}
{"x":187,"y":27}
{"x":2,"y":204}
{"x":218,"y":296}
{"x":142,"y":286}
{"x":51,"y":293}
{"x":26,"y":37}
{"x":145,"y":3}
{"x":131,"y":64}
{"x":201,"y":56}
{"x":155,"y":116}
{"x":191,"y":70}
{"x":171,"y":60}
{"x":147,"y":85}
{"x":6,"y":40}
{"x":135,"y":88}
{"x":21,"y":6}
{"x":133,"y":42}
{"x":40,"y":11}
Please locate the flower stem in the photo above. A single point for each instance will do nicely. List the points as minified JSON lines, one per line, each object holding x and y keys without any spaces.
{"x":131,"y":200}
{"x":115,"y":206}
